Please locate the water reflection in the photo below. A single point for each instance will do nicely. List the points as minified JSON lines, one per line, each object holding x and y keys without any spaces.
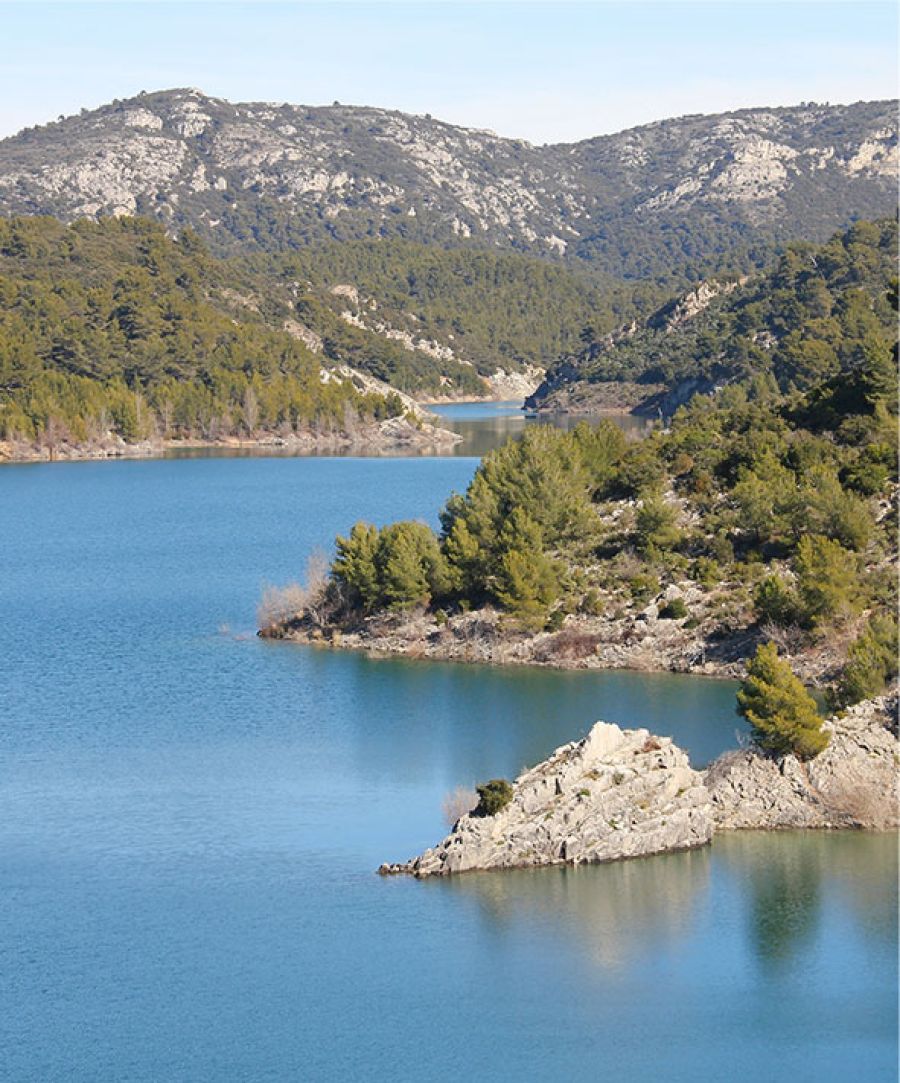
{"x":483,"y":426}
{"x":790,"y":896}
{"x":486,"y":425}
{"x":789,"y":878}
{"x":618,"y":913}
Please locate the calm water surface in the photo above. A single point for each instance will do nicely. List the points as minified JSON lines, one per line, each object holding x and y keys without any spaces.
{"x":484,"y":425}
{"x":190,"y":819}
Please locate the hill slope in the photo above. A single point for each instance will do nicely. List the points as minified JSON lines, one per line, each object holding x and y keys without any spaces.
{"x":814,"y":316}
{"x":112,"y":330}
{"x":678,"y":197}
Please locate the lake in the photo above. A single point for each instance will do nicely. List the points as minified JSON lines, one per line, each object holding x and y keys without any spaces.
{"x":190,"y":820}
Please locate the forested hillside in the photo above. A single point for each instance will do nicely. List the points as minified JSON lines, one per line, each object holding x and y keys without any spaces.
{"x":817,"y":313}
{"x":116,"y":326}
{"x":491,"y":310}
{"x":113,"y":327}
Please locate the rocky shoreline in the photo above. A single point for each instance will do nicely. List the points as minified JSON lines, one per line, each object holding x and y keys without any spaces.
{"x":638,"y":639}
{"x":393,"y":435}
{"x":626,"y":793}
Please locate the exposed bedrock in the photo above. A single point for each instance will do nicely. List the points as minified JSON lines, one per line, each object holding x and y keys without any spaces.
{"x":625,"y":793}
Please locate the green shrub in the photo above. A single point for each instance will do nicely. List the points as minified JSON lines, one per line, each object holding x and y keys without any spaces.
{"x":707,"y":572}
{"x":775,"y":601}
{"x":591,"y":603}
{"x":674,"y":610}
{"x":643,"y":587}
{"x":721,"y":549}
{"x":493,"y":796}
{"x":655,"y":525}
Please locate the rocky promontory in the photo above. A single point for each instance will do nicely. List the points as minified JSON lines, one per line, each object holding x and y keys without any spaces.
{"x":626,"y":793}
{"x":616,"y":793}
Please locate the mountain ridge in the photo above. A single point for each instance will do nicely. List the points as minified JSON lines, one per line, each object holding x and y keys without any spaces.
{"x":679,"y":196}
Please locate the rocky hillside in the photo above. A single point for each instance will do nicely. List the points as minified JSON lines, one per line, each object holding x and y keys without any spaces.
{"x":678,"y":196}
{"x":853,"y":783}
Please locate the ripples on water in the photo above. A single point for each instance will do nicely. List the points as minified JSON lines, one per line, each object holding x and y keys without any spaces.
{"x":190,"y":819}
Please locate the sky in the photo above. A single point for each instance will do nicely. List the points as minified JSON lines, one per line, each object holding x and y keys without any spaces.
{"x":545,"y":72}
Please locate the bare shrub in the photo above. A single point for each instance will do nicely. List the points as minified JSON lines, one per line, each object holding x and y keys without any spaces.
{"x":571,"y":645}
{"x":790,"y":639}
{"x":317,"y":569}
{"x":280,"y":604}
{"x":457,"y":803}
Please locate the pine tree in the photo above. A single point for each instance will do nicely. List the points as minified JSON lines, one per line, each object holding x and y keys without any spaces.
{"x":354,"y":566}
{"x":872,"y":662}
{"x":827,"y":580}
{"x":782,"y":713}
{"x":411,"y":568}
{"x":526,"y":582}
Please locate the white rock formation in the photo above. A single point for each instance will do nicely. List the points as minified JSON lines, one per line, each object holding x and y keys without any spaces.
{"x":182,"y":150}
{"x":624,"y":793}
{"x":616,"y":793}
{"x":853,"y":783}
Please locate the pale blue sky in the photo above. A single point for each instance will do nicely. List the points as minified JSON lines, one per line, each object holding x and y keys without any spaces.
{"x":545,"y":72}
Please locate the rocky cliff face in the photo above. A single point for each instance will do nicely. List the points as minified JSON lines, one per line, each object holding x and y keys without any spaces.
{"x":258,"y":173}
{"x":616,"y":793}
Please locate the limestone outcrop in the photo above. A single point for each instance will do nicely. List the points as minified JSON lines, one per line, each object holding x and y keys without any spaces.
{"x":615,"y":794}
{"x":625,"y":793}
{"x":852,"y":783}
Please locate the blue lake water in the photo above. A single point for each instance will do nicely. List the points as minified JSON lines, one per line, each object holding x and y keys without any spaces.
{"x":190,"y":820}
{"x":483,"y":425}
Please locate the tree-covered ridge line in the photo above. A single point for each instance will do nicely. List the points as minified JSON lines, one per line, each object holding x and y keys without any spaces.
{"x":814,"y":315}
{"x":116,"y":327}
{"x":759,"y":515}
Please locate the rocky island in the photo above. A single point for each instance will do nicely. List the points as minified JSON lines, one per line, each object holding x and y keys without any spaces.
{"x":626,"y":793}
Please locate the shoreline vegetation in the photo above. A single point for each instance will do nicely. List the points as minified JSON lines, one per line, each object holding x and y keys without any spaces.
{"x":394,"y":435}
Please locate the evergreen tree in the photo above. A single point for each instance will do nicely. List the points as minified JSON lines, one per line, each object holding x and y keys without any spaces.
{"x":655,"y":526}
{"x":527,"y":582}
{"x":872,"y":662}
{"x":781,"y":712}
{"x":410,"y":566}
{"x":354,"y":566}
{"x":827,"y":580}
